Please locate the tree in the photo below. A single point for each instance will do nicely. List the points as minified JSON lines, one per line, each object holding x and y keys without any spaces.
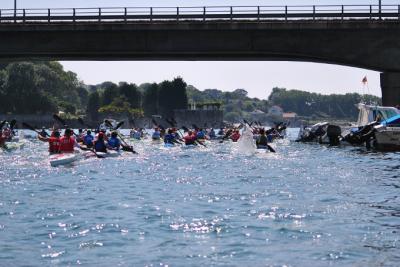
{"x":172,"y":95}
{"x":93,"y":105}
{"x":131,"y":93}
{"x":110,"y":92}
{"x":150,"y":100}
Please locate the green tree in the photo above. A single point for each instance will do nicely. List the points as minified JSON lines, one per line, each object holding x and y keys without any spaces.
{"x":172,"y":95}
{"x":93,"y":105}
{"x":131,"y":93}
{"x":150,"y":100}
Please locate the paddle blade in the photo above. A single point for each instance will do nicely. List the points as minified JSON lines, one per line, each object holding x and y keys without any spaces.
{"x":30,"y":127}
{"x":108,"y":123}
{"x":119,"y":125}
{"x":12,"y":124}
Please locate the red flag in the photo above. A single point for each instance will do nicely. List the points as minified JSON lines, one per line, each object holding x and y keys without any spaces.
{"x":364,"y":80}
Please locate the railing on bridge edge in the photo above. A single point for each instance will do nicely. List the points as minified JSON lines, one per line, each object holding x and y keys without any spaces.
{"x":151,"y":14}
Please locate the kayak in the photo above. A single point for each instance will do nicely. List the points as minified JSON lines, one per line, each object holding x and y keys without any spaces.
{"x":13,"y":145}
{"x":156,"y":141}
{"x":109,"y":154}
{"x":189,"y":146}
{"x":168,"y":145}
{"x":62,"y":159}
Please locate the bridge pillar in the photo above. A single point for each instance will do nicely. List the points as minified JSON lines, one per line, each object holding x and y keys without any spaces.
{"x":390,"y":86}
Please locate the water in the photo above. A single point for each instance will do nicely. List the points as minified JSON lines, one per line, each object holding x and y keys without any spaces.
{"x":307,"y":205}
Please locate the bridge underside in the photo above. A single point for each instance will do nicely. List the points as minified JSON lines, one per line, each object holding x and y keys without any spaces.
{"x":368,"y":44}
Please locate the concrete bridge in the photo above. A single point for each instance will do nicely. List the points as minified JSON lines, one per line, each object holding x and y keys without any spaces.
{"x":359,"y":36}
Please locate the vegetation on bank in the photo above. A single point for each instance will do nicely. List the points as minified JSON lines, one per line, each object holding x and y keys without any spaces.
{"x":45,"y":87}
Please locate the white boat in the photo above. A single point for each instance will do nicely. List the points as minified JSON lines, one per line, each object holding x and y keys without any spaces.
{"x":371,"y":113}
{"x":62,"y":159}
{"x":387,"y":134}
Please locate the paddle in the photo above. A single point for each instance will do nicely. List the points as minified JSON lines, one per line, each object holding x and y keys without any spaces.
{"x":227,"y":134}
{"x":12,"y":124}
{"x":80,"y":120}
{"x":28,"y":126}
{"x":125,"y":146}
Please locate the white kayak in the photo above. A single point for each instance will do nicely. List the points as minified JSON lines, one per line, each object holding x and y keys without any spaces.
{"x":62,"y":159}
{"x":109,"y":154}
{"x":13,"y":145}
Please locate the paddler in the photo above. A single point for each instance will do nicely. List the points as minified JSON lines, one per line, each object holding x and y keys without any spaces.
{"x":7,"y":134}
{"x":190,"y":138}
{"x":201,"y":134}
{"x":43,"y":132}
{"x":262,"y":140}
{"x":88,"y":139}
{"x":68,"y":142}
{"x":114,"y":143}
{"x":235,"y":136}
{"x":100,"y":144}
{"x":80,"y":136}
{"x":156,"y":134}
{"x":53,"y":140}
{"x":169,"y":138}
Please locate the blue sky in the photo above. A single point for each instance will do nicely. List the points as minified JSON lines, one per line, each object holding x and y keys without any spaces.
{"x":258,"y":78}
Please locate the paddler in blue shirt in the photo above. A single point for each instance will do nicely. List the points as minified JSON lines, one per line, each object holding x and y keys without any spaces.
{"x":169,"y":138}
{"x":157,"y":134}
{"x":88,"y":139}
{"x":114,"y":143}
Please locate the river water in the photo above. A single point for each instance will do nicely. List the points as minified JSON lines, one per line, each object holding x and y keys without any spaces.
{"x":306,"y":205}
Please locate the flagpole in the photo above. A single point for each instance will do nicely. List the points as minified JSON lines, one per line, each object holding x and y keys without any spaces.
{"x":15,"y":8}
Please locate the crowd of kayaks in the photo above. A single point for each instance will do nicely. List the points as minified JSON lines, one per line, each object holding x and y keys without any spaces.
{"x":377,"y":127}
{"x":67,"y":146}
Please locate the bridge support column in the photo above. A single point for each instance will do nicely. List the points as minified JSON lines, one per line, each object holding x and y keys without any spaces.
{"x":390,"y":86}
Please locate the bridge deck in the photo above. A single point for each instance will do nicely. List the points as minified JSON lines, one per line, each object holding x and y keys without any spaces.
{"x":163,"y":14}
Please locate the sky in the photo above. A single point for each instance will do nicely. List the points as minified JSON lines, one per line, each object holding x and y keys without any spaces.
{"x":258,"y":78}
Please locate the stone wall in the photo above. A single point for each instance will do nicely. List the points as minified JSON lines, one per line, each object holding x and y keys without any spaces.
{"x":202,"y":118}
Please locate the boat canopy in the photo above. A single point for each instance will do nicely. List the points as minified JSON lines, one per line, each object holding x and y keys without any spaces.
{"x":395,"y":120}
{"x":370,"y":113}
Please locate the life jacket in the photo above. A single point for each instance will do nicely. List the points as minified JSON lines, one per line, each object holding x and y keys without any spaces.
{"x":137,"y":135}
{"x":88,"y":140}
{"x":156,"y":135}
{"x":54,"y":144}
{"x":114,"y":142}
{"x":200,"y":135}
{"x":235,"y":137}
{"x":169,"y":139}
{"x":67,"y":144}
{"x":189,"y":139}
{"x":100,"y":146}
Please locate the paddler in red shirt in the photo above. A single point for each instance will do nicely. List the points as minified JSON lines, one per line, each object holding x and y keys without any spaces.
{"x":67,"y":142}
{"x":53,"y":140}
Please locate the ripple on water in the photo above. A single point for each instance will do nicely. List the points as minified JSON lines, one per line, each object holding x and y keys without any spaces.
{"x":306,"y":205}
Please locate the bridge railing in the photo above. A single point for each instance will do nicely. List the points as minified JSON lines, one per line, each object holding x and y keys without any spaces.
{"x":204,"y":13}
